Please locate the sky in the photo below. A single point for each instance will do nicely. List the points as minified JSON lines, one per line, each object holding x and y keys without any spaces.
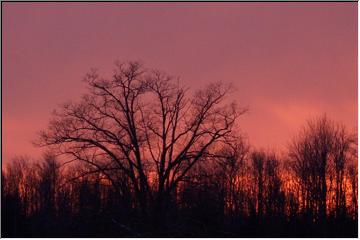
{"x":288,"y":61}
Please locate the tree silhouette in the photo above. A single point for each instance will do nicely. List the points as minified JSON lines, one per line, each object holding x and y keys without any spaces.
{"x":258,"y":159}
{"x":48,"y":183}
{"x":142,"y":123}
{"x":142,"y":155}
{"x":322,"y":147}
{"x":341,"y":150}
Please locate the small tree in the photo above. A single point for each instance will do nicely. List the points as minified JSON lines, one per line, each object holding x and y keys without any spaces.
{"x":258,"y":159}
{"x":342,"y":145}
{"x":48,"y":183}
{"x":321,"y":148}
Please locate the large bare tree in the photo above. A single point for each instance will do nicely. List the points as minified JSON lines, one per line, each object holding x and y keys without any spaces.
{"x":145,"y":124}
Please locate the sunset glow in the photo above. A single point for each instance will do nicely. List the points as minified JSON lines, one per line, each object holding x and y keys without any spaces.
{"x":185,"y":119}
{"x":288,"y":61}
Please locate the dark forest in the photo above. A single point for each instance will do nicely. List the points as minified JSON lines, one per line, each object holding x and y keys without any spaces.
{"x":141,"y":155}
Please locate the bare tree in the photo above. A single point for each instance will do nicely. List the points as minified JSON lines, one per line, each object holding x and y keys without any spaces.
{"x":227,"y":191}
{"x":342,"y":145}
{"x":275,"y":197}
{"x":258,"y":159}
{"x":230,"y":170}
{"x":353,"y":178}
{"x":49,"y":175}
{"x":143,"y":123}
{"x":322,"y":148}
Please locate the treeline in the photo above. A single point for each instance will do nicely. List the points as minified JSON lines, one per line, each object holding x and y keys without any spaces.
{"x":311,"y":191}
{"x":140,"y":156}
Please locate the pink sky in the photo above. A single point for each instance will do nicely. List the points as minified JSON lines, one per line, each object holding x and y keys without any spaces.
{"x":288,"y":61}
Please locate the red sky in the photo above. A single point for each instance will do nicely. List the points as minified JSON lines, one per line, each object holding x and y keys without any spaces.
{"x":288,"y":61}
